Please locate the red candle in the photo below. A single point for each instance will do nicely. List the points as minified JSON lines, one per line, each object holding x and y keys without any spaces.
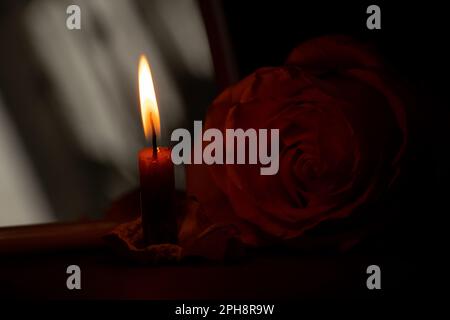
{"x":155,"y":169}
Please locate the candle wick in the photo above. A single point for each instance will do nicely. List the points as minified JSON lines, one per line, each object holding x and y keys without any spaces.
{"x":154,"y":145}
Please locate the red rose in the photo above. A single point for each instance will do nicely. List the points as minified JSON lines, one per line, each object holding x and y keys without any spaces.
{"x":342,"y":137}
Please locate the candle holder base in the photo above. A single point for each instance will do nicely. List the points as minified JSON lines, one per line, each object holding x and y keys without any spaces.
{"x":127,"y":240}
{"x":211,"y":241}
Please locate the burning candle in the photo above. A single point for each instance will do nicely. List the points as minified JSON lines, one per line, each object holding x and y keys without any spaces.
{"x":155,"y":169}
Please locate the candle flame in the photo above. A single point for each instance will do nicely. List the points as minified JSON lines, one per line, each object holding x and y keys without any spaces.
{"x":149,"y":105}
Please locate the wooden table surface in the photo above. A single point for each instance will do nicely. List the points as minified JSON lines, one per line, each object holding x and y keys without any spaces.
{"x":258,"y":276}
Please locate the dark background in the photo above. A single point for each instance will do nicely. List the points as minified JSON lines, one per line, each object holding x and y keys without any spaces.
{"x":412,"y":42}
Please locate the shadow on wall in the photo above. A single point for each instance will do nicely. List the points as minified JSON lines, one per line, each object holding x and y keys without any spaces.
{"x":21,"y":197}
{"x":71,"y":96}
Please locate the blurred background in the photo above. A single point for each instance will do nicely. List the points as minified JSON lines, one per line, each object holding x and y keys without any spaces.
{"x":70,"y":126}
